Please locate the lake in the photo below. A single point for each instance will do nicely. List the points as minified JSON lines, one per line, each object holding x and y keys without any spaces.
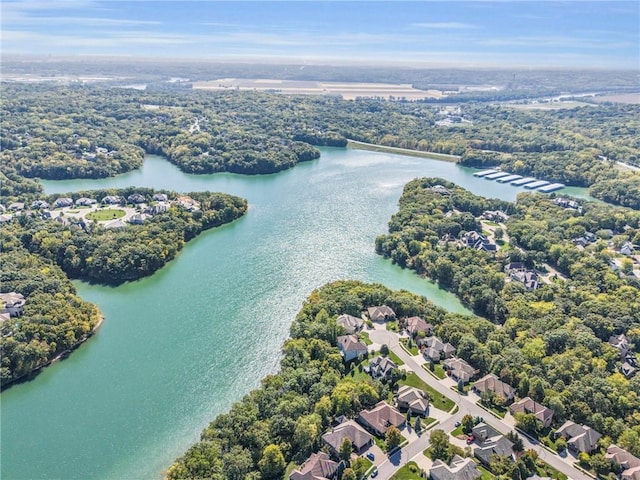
{"x":181,"y":346}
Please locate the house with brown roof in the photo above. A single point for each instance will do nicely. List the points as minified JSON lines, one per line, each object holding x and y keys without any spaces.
{"x":413,"y":399}
{"x":350,"y":347}
{"x":459,"y":469}
{"x":380,"y":418}
{"x":317,"y":467}
{"x":349,"y":323}
{"x":360,"y":438}
{"x":12,"y":303}
{"x":579,"y":437}
{"x":528,"y":405}
{"x":381,"y":313}
{"x":629,"y":463}
{"x":491,"y":383}
{"x":417,"y":325}
{"x":459,"y":370}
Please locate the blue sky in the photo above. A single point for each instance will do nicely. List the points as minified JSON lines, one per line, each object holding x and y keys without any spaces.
{"x":455,"y":33}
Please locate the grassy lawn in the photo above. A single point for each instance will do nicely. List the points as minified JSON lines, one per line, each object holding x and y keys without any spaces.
{"x":437,"y":400}
{"x":290,"y":468}
{"x":458,"y":431}
{"x":546,"y":470}
{"x":427,"y":422}
{"x":549,"y":443}
{"x":382,"y":445}
{"x":107,"y":214}
{"x":413,"y":350}
{"x":410,"y":471}
{"x":500,"y":412}
{"x":395,"y":358}
{"x":486,"y":474}
{"x":364,"y":338}
{"x":392,"y":326}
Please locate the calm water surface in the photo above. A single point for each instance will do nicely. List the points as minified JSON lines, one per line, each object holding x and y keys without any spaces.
{"x":180,"y":347}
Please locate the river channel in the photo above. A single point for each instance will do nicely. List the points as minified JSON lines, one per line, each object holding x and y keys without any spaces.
{"x":181,"y":346}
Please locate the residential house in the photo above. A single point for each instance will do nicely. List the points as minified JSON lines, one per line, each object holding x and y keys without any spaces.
{"x":188,"y":203}
{"x":4,"y":218}
{"x":629,"y":361}
{"x":16,"y":206}
{"x":459,"y":469}
{"x":136,"y":198}
{"x":567,"y":203}
{"x":13,"y":303}
{"x":494,"y":445}
{"x":381,"y":313}
{"x":491,"y":383}
{"x":138,"y":219}
{"x":46,"y":215}
{"x":350,"y":347}
{"x":433,"y":349}
{"x":441,"y":189}
{"x":417,"y":325}
{"x":629,"y":463}
{"x":156,"y":209}
{"x":86,"y":202}
{"x":39,"y":205}
{"x":63,"y":202}
{"x":112,"y":200}
{"x":317,"y":467}
{"x":380,"y":418}
{"x":580,"y":242}
{"x":414,"y":399}
{"x":495,"y":216}
{"x":528,"y":405}
{"x":459,"y":370}
{"x":579,"y":437}
{"x":4,"y":317}
{"x":626,"y":249}
{"x":381,"y":367}
{"x":529,"y":279}
{"x":482,"y":432}
{"x":349,"y":323}
{"x":515,"y":267}
{"x":160,"y":197}
{"x":360,"y":438}
{"x":114,"y":224}
{"x":629,"y":367}
{"x":478,"y":241}
{"x":620,"y":343}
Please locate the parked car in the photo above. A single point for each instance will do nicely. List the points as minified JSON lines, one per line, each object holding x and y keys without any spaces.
{"x":470,"y":439}
{"x":371,"y":456}
{"x":374,"y":474}
{"x":457,"y":424}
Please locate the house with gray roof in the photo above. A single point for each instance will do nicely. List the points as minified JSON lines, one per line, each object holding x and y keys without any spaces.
{"x":136,"y":198}
{"x":317,"y":467}
{"x":434,"y":349}
{"x":380,"y":418}
{"x":160,"y":197}
{"x":86,"y":202}
{"x":413,"y":399}
{"x":381,"y":367}
{"x":528,"y":405}
{"x":491,"y":383}
{"x":360,"y":438}
{"x":112,"y":200}
{"x":579,"y":437}
{"x":629,"y":463}
{"x":349,"y":323}
{"x":459,"y":370}
{"x":496,"y":445}
{"x":459,"y":469}
{"x":381,"y":313}
{"x":12,"y":303}
{"x":63,"y":202}
{"x":350,"y":347}
{"x":39,"y":204}
{"x":16,"y":206}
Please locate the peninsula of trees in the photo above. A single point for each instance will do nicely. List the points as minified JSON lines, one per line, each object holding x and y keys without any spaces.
{"x":102,"y":236}
{"x":55,"y":132}
{"x":558,"y":276}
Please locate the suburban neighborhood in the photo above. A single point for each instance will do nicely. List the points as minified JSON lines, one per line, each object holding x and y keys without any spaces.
{"x":437,"y":398}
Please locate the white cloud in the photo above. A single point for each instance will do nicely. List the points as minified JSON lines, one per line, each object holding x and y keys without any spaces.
{"x":446,"y":25}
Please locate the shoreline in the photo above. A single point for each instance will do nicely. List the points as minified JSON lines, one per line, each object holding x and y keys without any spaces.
{"x":33,"y":373}
{"x":445,"y":157}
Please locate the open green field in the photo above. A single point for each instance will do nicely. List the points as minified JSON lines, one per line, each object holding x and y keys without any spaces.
{"x":107,"y":214}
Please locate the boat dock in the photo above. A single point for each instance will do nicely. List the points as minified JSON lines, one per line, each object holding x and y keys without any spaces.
{"x":539,"y":183}
{"x":529,"y":183}
{"x":519,"y":183}
{"x":551,"y":188}
{"x":484,"y":172}
{"x":508,"y":178}
{"x":493,"y":176}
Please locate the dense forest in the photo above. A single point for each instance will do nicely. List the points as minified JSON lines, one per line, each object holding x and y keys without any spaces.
{"x":54,"y":321}
{"x":91,"y":131}
{"x":37,"y":252}
{"x":553,"y":341}
{"x":284,"y":419}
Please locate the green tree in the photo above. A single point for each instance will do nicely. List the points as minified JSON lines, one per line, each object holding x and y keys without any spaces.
{"x":439,"y":445}
{"x":393,"y":437}
{"x":346,"y":449}
{"x":237,"y":462}
{"x":272,"y":463}
{"x":467,"y":424}
{"x":349,"y":474}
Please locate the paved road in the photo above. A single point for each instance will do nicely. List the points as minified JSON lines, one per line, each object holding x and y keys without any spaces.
{"x":466,"y":406}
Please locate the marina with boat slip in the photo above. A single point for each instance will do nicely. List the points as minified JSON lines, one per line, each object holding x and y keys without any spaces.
{"x":518,"y":181}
